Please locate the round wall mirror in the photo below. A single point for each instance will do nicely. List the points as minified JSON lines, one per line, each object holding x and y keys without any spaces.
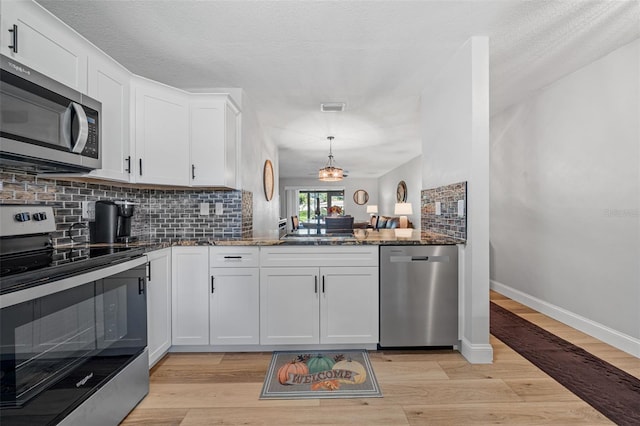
{"x":401,"y":192}
{"x":360,"y":197}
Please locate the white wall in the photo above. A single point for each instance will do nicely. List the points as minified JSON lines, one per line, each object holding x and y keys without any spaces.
{"x":350,"y":185}
{"x":565,"y":199}
{"x":411,"y":173}
{"x":255,"y":150}
{"x":455,"y":147}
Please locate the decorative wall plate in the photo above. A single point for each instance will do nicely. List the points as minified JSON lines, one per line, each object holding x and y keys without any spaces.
{"x":360,"y":197}
{"x":267,"y":178}
{"x":401,"y":192}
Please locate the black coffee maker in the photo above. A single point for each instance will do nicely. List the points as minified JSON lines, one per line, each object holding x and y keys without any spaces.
{"x":112,"y":222}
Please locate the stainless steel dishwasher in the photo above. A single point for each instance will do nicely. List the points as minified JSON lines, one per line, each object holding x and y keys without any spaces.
{"x":418,"y":296}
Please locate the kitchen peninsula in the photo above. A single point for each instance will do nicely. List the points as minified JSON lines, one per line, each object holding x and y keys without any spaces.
{"x":265,"y":293}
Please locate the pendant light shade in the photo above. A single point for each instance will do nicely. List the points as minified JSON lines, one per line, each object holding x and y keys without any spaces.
{"x":330,"y":172}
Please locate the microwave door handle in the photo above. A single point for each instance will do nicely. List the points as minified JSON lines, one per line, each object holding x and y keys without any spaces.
{"x":83,"y":133}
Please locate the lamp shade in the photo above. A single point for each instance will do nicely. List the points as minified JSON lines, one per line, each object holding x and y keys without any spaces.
{"x":403,"y":208}
{"x":372,"y":208}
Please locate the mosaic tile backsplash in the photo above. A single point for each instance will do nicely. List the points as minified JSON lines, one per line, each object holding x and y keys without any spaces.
{"x":448,"y":223}
{"x":163,"y":215}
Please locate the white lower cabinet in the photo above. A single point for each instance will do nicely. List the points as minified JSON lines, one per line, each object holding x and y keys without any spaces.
{"x":234,"y":306}
{"x":289,"y":305}
{"x":158,"y":304}
{"x":349,"y":305}
{"x":190,"y":295}
{"x":238,"y":295}
{"x":322,"y":300}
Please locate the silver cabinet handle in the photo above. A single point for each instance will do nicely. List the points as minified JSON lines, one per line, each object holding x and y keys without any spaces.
{"x":316,"y":284}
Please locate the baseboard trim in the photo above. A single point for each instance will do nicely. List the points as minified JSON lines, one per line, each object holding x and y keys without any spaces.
{"x":594,"y":329}
{"x":476,"y":353}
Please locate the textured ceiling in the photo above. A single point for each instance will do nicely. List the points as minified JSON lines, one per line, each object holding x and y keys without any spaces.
{"x":377,"y":56}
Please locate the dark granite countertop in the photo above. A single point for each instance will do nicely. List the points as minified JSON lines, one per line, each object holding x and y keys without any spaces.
{"x":359,"y":237}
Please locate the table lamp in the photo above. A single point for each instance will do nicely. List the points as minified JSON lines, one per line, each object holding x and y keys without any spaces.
{"x":372,"y":209}
{"x":403,"y":209}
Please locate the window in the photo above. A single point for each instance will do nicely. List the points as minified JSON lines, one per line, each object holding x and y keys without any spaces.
{"x":312,"y":203}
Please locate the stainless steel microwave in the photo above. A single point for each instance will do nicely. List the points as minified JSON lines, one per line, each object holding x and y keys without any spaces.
{"x":45,"y":124}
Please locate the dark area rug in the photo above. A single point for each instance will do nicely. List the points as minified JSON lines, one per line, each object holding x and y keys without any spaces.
{"x":320,"y":374}
{"x":611,"y":391}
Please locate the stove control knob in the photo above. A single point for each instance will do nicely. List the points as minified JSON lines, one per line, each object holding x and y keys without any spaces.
{"x":23,"y":217}
{"x":40,"y":216}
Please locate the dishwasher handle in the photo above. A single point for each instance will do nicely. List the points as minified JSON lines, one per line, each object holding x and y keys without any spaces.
{"x":408,"y":259}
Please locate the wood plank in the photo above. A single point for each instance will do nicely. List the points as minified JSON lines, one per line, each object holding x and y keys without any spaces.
{"x":540,"y":390}
{"x":327,"y":414}
{"x":545,"y":413}
{"x":212,"y":395}
{"x":168,"y":417}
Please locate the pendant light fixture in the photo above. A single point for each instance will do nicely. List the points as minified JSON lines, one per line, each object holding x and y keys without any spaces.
{"x":330,"y":172}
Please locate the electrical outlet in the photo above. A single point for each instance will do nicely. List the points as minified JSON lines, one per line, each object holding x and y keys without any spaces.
{"x":438,"y":208}
{"x":89,"y":210}
{"x":219,"y":209}
{"x":204,"y":209}
{"x":460,"y":208}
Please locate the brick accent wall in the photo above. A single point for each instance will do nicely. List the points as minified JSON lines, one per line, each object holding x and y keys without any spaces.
{"x":448,"y":223}
{"x":163,"y":215}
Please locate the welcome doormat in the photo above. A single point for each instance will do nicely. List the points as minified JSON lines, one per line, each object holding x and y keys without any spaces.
{"x":608,"y":389}
{"x":320,"y":374}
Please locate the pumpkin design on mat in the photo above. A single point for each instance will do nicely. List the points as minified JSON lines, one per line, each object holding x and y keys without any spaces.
{"x":320,"y":363}
{"x":326,"y":385}
{"x":295,"y":366}
{"x":360,"y":373}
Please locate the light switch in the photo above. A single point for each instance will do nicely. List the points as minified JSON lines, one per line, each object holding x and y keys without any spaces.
{"x":438,"y":208}
{"x":460,"y":208}
{"x":204,"y":209}
{"x":219,"y":209}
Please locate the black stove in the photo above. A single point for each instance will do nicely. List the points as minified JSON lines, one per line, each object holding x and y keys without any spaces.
{"x":28,"y":257}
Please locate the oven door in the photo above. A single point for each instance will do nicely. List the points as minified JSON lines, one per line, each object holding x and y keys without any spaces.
{"x":58,"y":348}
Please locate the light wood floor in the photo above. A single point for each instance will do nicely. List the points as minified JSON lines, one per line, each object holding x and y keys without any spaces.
{"x":419,"y":387}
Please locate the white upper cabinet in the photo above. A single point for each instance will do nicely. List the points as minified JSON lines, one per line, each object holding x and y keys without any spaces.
{"x":109,"y":83}
{"x":161,"y":134}
{"x":35,"y":38}
{"x":214,"y":135}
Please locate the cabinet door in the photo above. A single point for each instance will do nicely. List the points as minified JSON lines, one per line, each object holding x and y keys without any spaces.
{"x":213,"y":138}
{"x":159,"y":304}
{"x":190,"y":295}
{"x":110,"y":84}
{"x":44,"y":43}
{"x":161,"y":134}
{"x":234,"y":306}
{"x":289,"y":309}
{"x":349,"y":305}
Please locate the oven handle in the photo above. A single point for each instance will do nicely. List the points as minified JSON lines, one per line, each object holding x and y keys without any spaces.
{"x":31,"y":293}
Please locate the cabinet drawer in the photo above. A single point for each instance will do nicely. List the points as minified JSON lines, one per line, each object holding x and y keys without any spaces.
{"x":319,"y":256}
{"x":233,"y":257}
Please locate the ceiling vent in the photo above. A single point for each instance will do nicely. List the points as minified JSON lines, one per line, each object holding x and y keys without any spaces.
{"x":332,"y":107}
